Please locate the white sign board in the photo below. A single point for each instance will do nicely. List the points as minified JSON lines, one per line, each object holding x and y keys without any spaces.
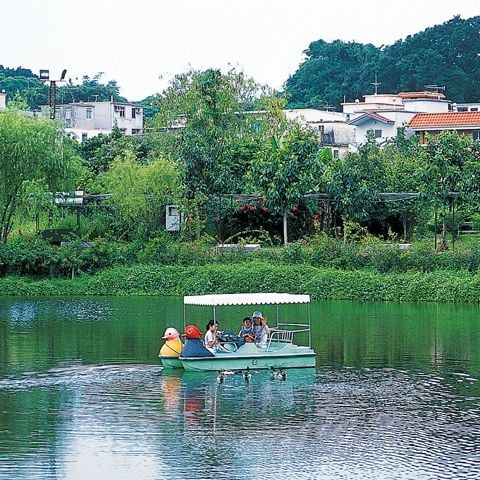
{"x":172,"y":218}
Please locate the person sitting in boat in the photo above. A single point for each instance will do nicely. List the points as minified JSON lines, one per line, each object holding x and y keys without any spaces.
{"x":260,"y":329}
{"x":211,"y":337}
{"x":247,"y":330}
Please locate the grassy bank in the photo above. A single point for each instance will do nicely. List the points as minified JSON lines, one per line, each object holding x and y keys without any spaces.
{"x":321,"y":283}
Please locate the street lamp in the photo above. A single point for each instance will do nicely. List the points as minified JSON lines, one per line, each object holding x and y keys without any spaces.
{"x":45,"y":77}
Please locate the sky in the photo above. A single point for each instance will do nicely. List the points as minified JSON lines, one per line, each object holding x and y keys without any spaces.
{"x":142,"y":44}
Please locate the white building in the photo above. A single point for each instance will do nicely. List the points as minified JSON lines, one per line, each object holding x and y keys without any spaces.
{"x":384,"y":114}
{"x":466,"y":107}
{"x":3,"y":101}
{"x":333,"y":130}
{"x":89,"y":119}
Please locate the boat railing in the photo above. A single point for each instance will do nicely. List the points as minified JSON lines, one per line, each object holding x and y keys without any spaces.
{"x":283,"y":335}
{"x":304,"y":326}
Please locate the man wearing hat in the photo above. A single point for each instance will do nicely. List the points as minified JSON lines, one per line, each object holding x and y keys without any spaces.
{"x":260,"y":329}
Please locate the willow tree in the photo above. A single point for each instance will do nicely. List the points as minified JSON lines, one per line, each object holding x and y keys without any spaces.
{"x":31,"y":152}
{"x":140,"y":192}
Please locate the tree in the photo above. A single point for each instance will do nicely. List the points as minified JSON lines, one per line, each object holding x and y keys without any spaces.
{"x":90,"y":90}
{"x":287,"y":167}
{"x":332,"y":71}
{"x":204,"y":115}
{"x":444,"y":54}
{"x":31,"y":151}
{"x":204,"y":126}
{"x":402,"y":158}
{"x":355,"y":181}
{"x":449,"y":170}
{"x":140,"y":192}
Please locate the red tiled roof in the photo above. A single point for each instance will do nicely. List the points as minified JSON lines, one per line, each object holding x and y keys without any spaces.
{"x":450,"y":119}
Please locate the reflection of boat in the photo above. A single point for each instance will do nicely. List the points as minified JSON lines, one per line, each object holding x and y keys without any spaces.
{"x":280,"y":350}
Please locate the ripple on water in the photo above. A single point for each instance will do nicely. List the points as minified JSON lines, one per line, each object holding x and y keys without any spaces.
{"x":328,"y":424}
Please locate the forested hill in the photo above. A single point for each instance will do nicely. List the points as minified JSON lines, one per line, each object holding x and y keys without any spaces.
{"x":446,"y":55}
{"x":24,"y":84}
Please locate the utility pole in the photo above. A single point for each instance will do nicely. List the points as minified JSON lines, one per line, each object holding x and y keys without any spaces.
{"x":45,"y":76}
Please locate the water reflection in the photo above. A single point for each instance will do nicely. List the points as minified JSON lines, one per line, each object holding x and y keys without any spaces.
{"x":81,"y":397}
{"x":125,"y":422}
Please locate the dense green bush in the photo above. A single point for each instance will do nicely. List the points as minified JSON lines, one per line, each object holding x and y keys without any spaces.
{"x":22,"y":256}
{"x":255,"y":276}
{"x":36,"y":258}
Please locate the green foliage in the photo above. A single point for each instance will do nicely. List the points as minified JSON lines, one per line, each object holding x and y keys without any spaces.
{"x":90,"y":90}
{"x":330,"y":72}
{"x":140,"y":192}
{"x":36,"y":258}
{"x":23,"y":82}
{"x":216,"y":138}
{"x":100,"y":151}
{"x":355,"y":181}
{"x":286,"y":168}
{"x":404,"y":160}
{"x":445,"y":173}
{"x":32,"y":154}
{"x":259,"y":276}
{"x":445,"y":54}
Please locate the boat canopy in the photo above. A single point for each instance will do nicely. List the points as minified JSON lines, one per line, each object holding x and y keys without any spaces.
{"x":245,"y":299}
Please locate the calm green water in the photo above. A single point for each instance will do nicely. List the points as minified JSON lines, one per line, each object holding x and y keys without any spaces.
{"x":396,"y":395}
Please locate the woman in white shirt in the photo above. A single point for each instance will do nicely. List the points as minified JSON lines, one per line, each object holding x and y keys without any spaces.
{"x":211,"y":336}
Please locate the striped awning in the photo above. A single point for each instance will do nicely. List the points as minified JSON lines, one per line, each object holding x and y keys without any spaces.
{"x":245,"y":299}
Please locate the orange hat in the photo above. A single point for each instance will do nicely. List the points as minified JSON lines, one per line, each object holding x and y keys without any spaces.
{"x":192,"y":331}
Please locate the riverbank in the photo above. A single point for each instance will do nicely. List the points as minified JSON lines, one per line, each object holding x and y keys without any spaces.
{"x":321,"y":283}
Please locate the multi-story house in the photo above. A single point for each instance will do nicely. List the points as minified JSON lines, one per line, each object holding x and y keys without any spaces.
{"x":384,"y":114}
{"x":89,"y":119}
{"x":331,"y":127}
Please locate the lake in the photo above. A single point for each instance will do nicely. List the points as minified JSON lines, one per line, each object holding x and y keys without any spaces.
{"x":395,"y":395}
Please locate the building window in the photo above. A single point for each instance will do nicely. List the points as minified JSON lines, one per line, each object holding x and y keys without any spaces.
{"x":134,"y":111}
{"x":476,"y":135}
{"x":84,"y":136}
{"x":462,"y":109}
{"x":120,"y":110}
{"x":474,"y":109}
{"x":377,"y":133}
{"x":136,"y":131}
{"x":88,"y":113}
{"x":335,"y":153}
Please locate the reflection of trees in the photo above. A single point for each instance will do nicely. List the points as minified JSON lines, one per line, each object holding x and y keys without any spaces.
{"x":30,"y":426}
{"x":380,"y":334}
{"x":42,"y":334}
